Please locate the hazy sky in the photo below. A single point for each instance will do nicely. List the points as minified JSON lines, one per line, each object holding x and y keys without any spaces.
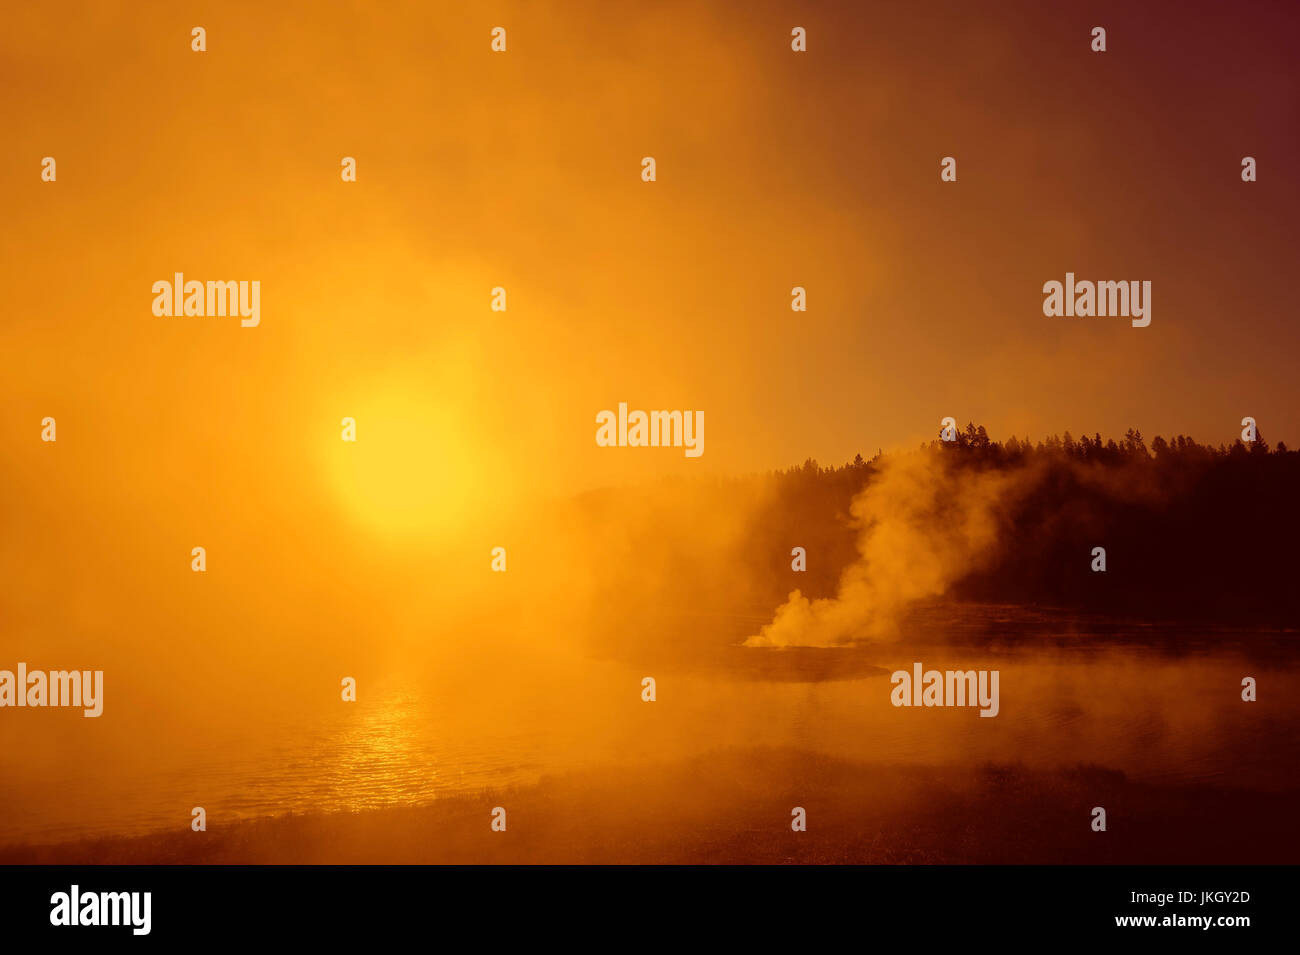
{"x":775,"y":169}
{"x":521,"y":169}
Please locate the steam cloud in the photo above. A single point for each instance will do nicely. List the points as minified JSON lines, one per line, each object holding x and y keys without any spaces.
{"x":922,"y":526}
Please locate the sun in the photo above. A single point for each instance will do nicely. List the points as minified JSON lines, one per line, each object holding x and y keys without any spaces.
{"x":412,"y":469}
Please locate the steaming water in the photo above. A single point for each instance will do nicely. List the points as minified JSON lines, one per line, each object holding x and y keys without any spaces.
{"x":1156,"y":712}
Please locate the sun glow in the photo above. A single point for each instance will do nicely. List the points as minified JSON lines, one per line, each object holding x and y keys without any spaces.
{"x":412,"y":469}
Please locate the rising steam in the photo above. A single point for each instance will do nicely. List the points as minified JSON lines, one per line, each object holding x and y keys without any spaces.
{"x":922,"y":525}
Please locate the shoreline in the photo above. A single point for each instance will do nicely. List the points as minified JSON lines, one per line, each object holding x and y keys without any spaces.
{"x":734,"y":806}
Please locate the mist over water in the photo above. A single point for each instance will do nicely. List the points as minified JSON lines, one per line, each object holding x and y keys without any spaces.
{"x":222,"y":687}
{"x":1122,"y":702}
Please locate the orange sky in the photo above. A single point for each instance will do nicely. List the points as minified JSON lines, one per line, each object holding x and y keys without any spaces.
{"x":522,"y":170}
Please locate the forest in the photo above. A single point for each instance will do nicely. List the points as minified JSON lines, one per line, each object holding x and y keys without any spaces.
{"x":1192,"y":533}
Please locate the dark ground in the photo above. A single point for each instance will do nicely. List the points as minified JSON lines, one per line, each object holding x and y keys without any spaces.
{"x":734,"y":807}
